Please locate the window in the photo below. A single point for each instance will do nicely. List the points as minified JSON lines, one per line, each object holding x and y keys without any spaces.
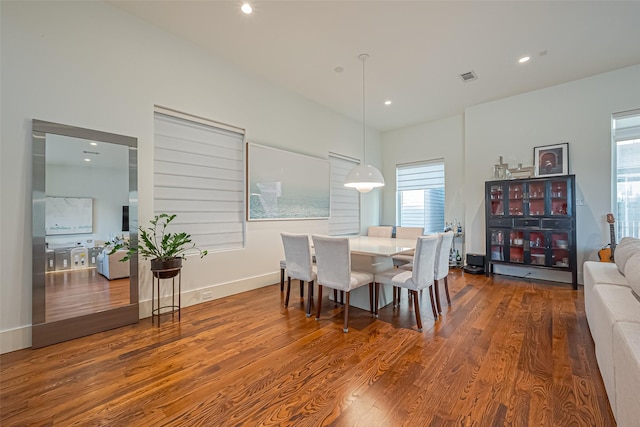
{"x":345,"y":202}
{"x":626,"y":137}
{"x":199,"y":175}
{"x":420,"y":195}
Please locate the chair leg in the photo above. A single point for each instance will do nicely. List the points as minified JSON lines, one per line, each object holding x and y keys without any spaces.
{"x":286,"y":299}
{"x":371,"y":298}
{"x":342,"y":297}
{"x":433,"y":305}
{"x":301,"y":288}
{"x":436,"y":289}
{"x":446,"y":288}
{"x":309,"y":298}
{"x":319,"y":301}
{"x":335,"y":296}
{"x":394,"y":288}
{"x":346,"y":314}
{"x":416,"y":305}
{"x":281,"y":279}
{"x":376,"y":292}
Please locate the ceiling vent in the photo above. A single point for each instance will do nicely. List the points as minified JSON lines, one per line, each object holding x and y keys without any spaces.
{"x":467,"y":77}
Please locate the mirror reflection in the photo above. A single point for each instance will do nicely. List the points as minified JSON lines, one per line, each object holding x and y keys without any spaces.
{"x":84,"y":186}
{"x":86,"y":208}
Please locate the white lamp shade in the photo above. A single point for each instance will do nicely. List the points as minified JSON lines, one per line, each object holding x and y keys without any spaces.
{"x":364,"y":178}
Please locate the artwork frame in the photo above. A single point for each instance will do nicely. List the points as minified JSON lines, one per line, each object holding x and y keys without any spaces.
{"x":284,"y":185}
{"x":551,"y":160}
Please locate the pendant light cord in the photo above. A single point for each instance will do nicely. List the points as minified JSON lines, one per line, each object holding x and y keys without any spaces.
{"x":363,"y":57}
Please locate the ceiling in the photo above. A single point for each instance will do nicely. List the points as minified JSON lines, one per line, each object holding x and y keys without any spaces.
{"x":82,"y":153}
{"x":418,"y":49}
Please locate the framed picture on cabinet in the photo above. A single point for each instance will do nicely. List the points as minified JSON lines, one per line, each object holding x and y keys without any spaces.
{"x":551,"y":160}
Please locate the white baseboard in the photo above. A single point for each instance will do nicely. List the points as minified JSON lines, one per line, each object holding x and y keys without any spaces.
{"x":15,"y":339}
{"x":20,"y":338}
{"x":217,"y":291}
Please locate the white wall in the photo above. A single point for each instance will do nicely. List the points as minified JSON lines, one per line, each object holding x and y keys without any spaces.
{"x":578,"y":112}
{"x":90,"y":65}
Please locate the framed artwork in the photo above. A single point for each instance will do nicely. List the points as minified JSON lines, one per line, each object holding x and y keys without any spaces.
{"x":283,"y":185}
{"x":68,"y":215}
{"x":551,"y":160}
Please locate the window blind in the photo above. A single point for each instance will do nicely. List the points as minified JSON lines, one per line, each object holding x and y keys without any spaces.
{"x":345,"y":202}
{"x":421,"y":195}
{"x":626,"y":126}
{"x":199,"y":175}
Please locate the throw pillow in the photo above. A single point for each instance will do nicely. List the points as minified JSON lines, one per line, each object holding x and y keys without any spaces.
{"x":632,"y":272}
{"x":627,"y":247}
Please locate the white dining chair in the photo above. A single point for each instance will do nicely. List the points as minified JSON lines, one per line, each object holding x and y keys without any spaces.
{"x":380,"y":231}
{"x":442,"y":267}
{"x":297,"y":254}
{"x":408,"y":233}
{"x":333,"y":260}
{"x":419,"y":278}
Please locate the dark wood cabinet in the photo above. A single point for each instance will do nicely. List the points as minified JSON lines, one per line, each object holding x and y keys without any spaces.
{"x":532,"y":222}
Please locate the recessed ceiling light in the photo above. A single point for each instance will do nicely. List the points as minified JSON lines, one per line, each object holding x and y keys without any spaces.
{"x":338,"y":69}
{"x":246,"y":8}
{"x":94,"y":143}
{"x":387,"y":102}
{"x":524,"y":59}
{"x":87,"y":160}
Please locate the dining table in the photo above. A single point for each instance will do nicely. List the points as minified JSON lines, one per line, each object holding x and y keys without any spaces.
{"x":374,"y":255}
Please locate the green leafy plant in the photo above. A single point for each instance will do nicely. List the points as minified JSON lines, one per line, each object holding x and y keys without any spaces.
{"x":156,"y":243}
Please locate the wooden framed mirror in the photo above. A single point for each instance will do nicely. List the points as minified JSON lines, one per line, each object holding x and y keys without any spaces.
{"x":84,"y":195}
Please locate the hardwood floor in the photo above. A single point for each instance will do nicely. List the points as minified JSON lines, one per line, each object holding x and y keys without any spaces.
{"x":73,"y":293}
{"x":508,"y":352}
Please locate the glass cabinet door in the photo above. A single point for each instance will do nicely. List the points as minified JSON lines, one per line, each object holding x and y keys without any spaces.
{"x":560,"y":252}
{"x":537,"y":193}
{"x":516,"y":246}
{"x":537,"y":248}
{"x":497,"y":244}
{"x":516,"y":199}
{"x":497,"y":200}
{"x":559,"y":196}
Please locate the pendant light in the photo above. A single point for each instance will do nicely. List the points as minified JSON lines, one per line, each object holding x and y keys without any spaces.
{"x":364,"y":177}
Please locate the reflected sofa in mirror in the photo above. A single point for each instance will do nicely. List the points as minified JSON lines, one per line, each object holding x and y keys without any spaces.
{"x":84,"y":197}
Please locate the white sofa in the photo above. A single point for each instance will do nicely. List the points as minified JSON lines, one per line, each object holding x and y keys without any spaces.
{"x":612,"y":306}
{"x":110,"y":266}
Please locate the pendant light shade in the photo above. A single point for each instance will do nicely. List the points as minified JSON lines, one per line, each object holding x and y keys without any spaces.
{"x":364,"y":177}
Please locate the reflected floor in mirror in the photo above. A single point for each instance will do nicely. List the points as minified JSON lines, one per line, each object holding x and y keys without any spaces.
{"x":73,"y":293}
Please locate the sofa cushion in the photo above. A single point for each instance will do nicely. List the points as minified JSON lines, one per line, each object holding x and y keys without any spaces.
{"x":626,"y":359}
{"x":599,"y":273}
{"x":602,"y":273}
{"x":632,"y":273}
{"x":611,"y":304}
{"x":627,"y":247}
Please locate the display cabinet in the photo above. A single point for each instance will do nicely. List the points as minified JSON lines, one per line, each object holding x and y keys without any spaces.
{"x":531,"y":222}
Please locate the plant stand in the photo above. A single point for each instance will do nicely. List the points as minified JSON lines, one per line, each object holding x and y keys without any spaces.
{"x":156,"y":309}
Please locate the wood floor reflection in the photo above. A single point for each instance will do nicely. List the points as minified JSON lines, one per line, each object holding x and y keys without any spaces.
{"x":73,"y":293}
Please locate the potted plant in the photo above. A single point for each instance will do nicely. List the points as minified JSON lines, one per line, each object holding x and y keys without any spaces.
{"x":165,"y":250}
